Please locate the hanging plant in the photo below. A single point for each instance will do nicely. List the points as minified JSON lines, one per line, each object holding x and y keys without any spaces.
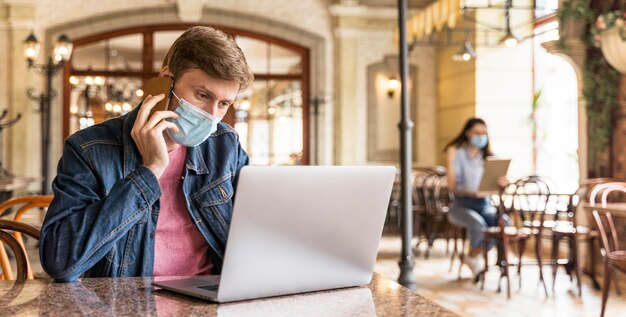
{"x":606,"y":21}
{"x":600,"y":80}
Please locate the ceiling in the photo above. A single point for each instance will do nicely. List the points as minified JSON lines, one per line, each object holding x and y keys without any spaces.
{"x":387,"y":3}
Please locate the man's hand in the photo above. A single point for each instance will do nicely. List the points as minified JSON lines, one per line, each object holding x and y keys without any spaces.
{"x":148,"y":135}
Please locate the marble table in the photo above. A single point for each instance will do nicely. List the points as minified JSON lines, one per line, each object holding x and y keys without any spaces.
{"x":136,"y":297}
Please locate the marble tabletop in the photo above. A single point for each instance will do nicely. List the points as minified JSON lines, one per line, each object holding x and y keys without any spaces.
{"x":136,"y":297}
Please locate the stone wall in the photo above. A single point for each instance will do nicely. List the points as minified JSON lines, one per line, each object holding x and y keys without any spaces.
{"x":305,"y":22}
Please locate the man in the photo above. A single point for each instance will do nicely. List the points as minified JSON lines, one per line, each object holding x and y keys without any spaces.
{"x":137,"y":195}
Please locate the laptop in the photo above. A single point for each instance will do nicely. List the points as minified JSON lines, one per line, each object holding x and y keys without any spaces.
{"x":494,"y":169}
{"x":298,"y":229}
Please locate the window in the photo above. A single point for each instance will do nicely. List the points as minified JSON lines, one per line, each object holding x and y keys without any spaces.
{"x":107,"y":72}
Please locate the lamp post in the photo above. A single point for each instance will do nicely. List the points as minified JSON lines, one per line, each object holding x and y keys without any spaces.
{"x":407,"y":277}
{"x":60,"y":54}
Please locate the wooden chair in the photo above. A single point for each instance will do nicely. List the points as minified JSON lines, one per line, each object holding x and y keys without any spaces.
{"x":525,"y":202}
{"x":568,"y":229}
{"x":23,"y":267}
{"x":504,"y":234}
{"x":24,"y":204}
{"x":532,"y":194}
{"x":613,"y":256}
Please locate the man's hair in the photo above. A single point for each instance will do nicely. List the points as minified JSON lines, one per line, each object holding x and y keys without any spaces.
{"x":211,"y":50}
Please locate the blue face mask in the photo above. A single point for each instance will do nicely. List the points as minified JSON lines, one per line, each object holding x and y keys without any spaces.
{"x":479,"y":141}
{"x":194,"y":124}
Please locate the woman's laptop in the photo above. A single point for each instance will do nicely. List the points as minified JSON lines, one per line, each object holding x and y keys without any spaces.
{"x":298,"y":229}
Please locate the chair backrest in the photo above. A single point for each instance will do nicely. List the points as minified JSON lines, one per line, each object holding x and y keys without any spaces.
{"x":530,"y":200}
{"x":602,"y":191}
{"x":23,"y":204}
{"x":606,"y":245}
{"x":23,"y":266}
{"x":443,"y":195}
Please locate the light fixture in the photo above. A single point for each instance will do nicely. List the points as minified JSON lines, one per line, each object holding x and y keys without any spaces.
{"x":392,"y":86}
{"x":62,"y":49}
{"x":509,"y":39}
{"x":244,"y":105}
{"x":60,"y":53}
{"x":466,"y":53}
{"x":31,"y":48}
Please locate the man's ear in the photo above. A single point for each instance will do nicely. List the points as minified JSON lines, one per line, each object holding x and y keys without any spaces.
{"x":165,"y":72}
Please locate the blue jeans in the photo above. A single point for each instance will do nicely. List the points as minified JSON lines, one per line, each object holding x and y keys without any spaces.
{"x":475,"y":215}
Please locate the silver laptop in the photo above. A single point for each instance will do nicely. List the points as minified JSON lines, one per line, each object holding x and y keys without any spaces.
{"x":298,"y":229}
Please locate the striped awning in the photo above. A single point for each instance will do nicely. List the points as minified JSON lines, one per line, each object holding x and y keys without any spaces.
{"x":434,"y":17}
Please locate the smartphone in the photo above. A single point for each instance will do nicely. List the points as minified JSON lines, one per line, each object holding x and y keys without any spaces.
{"x":159,"y":85}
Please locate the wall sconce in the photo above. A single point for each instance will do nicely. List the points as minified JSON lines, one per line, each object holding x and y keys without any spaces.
{"x":392,"y":86}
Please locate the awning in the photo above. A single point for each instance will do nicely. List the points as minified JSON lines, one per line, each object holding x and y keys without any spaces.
{"x":434,"y":17}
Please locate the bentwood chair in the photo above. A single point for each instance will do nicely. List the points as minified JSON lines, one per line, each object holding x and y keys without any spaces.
{"x":530,"y":204}
{"x":23,"y":267}
{"x":613,"y":256}
{"x":504,"y":235}
{"x":428,"y":219}
{"x":22,"y":204}
{"x":568,"y":229}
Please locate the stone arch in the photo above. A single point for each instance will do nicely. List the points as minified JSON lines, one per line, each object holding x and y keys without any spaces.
{"x":575,"y":56}
{"x":320,"y":76}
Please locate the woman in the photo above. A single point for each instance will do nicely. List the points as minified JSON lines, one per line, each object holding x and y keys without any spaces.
{"x":466,"y":155}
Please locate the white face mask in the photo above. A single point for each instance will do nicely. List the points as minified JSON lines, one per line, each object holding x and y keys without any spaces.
{"x":194,"y":124}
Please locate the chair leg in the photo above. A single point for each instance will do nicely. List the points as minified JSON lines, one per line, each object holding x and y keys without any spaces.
{"x":505,"y":263}
{"x":448,"y":243}
{"x":592,"y":269}
{"x":614,"y":276}
{"x":454,"y":248}
{"x":484,"y":273}
{"x":521,"y":245}
{"x":555,"y":259}
{"x":462,"y":254}
{"x":7,"y":272}
{"x":577,"y":264}
{"x":540,"y":262}
{"x":605,"y":287}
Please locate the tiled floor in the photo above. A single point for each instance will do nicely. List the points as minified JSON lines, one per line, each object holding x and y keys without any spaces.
{"x":465,"y":298}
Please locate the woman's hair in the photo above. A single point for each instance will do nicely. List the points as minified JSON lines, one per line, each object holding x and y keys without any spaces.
{"x":462,"y":139}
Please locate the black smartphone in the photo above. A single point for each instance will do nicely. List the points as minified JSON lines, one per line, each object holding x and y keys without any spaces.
{"x":159,"y":85}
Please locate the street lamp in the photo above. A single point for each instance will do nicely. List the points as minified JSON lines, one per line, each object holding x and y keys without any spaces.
{"x":60,"y":53}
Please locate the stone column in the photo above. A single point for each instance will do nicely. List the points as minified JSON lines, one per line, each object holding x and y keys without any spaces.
{"x":619,"y":133}
{"x":22,"y":141}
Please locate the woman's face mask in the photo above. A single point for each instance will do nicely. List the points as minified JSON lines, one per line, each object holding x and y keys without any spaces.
{"x":194,"y":124}
{"x":479,"y":141}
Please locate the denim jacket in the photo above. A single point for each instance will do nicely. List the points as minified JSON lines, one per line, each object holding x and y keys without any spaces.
{"x":102,"y":220}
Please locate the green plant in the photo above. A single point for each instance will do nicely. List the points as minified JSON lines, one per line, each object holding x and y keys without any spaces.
{"x":608,"y":20}
{"x":600,"y":80}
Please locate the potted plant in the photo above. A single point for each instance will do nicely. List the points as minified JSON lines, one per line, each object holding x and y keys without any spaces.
{"x":609,"y":34}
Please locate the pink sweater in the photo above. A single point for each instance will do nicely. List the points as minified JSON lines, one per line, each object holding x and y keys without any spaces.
{"x":179,"y":248}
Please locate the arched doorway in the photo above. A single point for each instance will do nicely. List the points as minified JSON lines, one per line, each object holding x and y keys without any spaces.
{"x":107,"y":71}
{"x":556,"y":116}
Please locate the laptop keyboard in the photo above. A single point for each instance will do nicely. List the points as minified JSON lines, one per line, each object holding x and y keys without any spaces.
{"x":212,"y":288}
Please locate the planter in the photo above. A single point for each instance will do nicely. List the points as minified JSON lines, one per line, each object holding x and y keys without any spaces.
{"x":614,"y":49}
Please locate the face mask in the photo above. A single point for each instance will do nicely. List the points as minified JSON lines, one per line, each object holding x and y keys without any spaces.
{"x":479,"y":141}
{"x":194,"y":124}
